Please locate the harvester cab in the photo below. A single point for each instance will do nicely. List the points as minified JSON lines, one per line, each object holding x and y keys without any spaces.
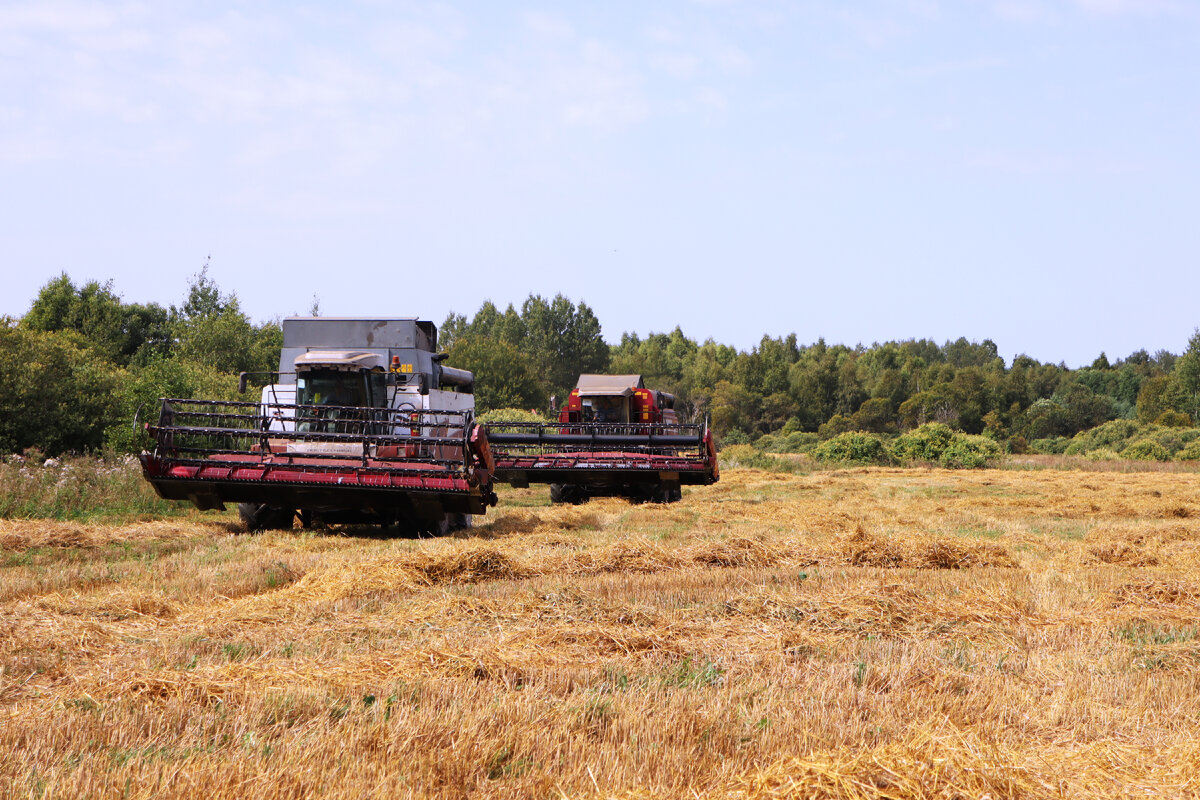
{"x":617,"y":399}
{"x":361,"y":423}
{"x":613,"y":437}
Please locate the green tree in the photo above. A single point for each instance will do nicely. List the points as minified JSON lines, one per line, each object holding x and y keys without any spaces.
{"x":732,"y":408}
{"x":563,"y":341}
{"x":875,"y":416}
{"x":116,"y":330}
{"x":1083,"y":408}
{"x":212,"y":330}
{"x":59,"y":396}
{"x":1160,"y":394}
{"x":160,"y":377}
{"x":1187,"y":373}
{"x":558,"y":339}
{"x":503,"y":375}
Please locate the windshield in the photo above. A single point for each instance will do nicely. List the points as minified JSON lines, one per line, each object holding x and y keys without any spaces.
{"x":331,"y":388}
{"x":321,"y":393}
{"x":604,"y":408}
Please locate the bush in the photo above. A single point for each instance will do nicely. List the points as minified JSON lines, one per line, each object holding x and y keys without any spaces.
{"x":734,"y":437}
{"x":796,"y":442}
{"x":1173,"y":439}
{"x":1173,"y":419}
{"x":1146,"y":450}
{"x":939,"y":444}
{"x":744,"y":455}
{"x":1119,"y":435}
{"x":1189,"y":453}
{"x":1050,"y":446}
{"x":1103,"y":454}
{"x":926,"y":443}
{"x":738,"y":455}
{"x":853,"y":448}
{"x":800,"y":442}
{"x":142,"y":388}
{"x":1113,"y":435}
{"x":59,"y":396}
{"x":793,"y":425}
{"x":768,"y":443}
{"x":969,"y":452}
{"x":837,"y":424}
{"x":510,"y":415}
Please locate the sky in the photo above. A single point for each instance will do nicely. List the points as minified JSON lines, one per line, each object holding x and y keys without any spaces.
{"x":1025,"y":171}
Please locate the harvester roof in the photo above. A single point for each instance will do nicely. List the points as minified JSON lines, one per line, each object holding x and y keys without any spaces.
{"x":593,"y":385}
{"x":348,"y":360}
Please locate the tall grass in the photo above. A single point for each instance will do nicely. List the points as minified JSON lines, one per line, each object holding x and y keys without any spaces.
{"x":78,"y":488}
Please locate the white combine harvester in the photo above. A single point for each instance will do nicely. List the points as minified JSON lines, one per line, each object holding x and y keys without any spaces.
{"x":362,"y":423}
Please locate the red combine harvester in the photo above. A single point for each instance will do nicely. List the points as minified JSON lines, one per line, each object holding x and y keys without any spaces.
{"x":613,"y":437}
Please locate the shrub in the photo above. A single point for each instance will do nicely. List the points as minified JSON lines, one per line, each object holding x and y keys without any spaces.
{"x":793,"y":425}
{"x":1050,"y":446}
{"x":795,"y":442}
{"x":738,"y":455}
{"x":799,"y":442}
{"x":1146,"y":450}
{"x":1173,"y":439}
{"x":969,"y":452}
{"x":836,"y":425}
{"x":926,"y":443}
{"x":768,"y":443}
{"x":734,"y":437}
{"x":1189,"y":453}
{"x":853,"y":448}
{"x":58,"y":394}
{"x":939,"y":444}
{"x":510,"y":415}
{"x":141,"y":389}
{"x":1103,"y":454}
{"x":1114,"y":435}
{"x":744,"y":455}
{"x":1173,"y":419}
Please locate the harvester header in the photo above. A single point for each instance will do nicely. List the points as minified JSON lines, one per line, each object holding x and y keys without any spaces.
{"x":613,"y":436}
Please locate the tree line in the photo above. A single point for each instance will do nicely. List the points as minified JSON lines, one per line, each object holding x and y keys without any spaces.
{"x":81,"y":364}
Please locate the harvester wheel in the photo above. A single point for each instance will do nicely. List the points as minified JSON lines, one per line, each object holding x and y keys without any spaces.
{"x":664,"y":493}
{"x":567,"y":493}
{"x":262,"y":517}
{"x":453,"y":522}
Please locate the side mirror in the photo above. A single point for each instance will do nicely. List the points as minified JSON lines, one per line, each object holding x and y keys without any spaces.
{"x":242,"y":378}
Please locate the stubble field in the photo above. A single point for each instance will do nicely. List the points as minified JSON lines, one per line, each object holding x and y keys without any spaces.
{"x":862,"y":633}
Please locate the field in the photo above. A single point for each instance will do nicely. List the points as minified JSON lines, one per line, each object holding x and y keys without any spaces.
{"x":861,"y":633}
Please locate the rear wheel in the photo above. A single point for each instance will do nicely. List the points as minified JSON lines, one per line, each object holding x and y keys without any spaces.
{"x":262,"y":517}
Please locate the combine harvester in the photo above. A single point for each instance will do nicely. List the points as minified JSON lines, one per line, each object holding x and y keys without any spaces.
{"x":613,"y":437}
{"x":362,"y":424}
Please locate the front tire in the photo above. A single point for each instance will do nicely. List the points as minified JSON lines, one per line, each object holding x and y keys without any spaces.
{"x":567,"y":493}
{"x":262,"y":517}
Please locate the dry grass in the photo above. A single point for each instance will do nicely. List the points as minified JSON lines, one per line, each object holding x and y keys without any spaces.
{"x":859,"y":633}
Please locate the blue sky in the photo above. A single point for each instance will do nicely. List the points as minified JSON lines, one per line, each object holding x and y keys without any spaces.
{"x":1020,"y":170}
